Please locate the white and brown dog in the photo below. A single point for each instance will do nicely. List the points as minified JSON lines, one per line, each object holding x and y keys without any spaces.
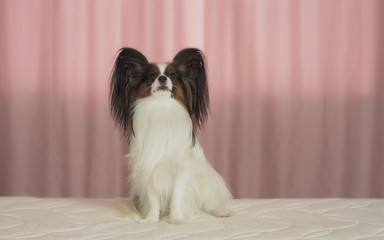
{"x":159,"y":107}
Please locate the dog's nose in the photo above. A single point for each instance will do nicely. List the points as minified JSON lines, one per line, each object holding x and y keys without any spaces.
{"x":162,"y":79}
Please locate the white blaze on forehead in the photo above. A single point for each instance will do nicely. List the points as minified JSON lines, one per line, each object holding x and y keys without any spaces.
{"x":162,"y":89}
{"x":162,"y":67}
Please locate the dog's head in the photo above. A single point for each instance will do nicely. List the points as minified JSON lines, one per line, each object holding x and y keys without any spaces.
{"x":183,"y":79}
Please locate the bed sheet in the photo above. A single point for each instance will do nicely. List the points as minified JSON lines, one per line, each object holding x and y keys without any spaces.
{"x":48,"y":218}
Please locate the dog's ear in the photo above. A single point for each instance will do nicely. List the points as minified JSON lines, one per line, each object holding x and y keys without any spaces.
{"x":127,"y":74}
{"x":190,"y":63}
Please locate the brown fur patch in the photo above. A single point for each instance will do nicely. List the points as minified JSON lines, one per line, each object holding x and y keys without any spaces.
{"x":179,"y":96}
{"x":178,"y":92}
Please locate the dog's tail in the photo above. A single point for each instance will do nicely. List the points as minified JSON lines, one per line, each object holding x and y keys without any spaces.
{"x":125,"y":208}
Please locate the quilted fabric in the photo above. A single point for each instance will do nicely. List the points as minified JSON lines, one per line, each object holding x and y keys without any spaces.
{"x":41,"y":218}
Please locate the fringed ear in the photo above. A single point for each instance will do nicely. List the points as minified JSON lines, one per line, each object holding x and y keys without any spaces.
{"x":190,"y":63}
{"x":126,"y":77}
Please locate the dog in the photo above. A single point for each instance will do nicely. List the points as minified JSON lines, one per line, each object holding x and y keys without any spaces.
{"x":159,"y":107}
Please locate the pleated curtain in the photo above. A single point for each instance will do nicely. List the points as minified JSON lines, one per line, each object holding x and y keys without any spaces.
{"x":296,"y":89}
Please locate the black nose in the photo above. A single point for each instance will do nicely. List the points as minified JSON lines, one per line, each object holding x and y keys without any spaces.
{"x":162,"y":79}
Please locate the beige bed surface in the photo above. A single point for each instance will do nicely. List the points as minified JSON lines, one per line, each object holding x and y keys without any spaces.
{"x":48,"y":218}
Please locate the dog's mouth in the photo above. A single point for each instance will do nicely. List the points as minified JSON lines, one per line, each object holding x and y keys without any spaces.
{"x":163,"y":88}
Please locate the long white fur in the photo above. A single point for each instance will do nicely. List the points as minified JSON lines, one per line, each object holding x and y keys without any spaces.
{"x":168,"y":174}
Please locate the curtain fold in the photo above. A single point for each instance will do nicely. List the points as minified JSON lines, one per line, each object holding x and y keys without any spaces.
{"x":296,"y":87}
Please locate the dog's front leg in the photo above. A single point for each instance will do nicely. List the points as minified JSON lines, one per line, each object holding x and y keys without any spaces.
{"x":183,"y":205}
{"x":151,"y":207}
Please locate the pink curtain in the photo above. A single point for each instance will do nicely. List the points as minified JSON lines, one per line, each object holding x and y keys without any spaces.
{"x":297,"y":92}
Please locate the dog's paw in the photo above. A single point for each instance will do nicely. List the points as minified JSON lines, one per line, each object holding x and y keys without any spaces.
{"x":175,"y":220}
{"x":221,"y":212}
{"x":148,"y":220}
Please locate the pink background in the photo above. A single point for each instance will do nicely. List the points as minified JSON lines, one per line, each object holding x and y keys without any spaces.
{"x":296,"y":87}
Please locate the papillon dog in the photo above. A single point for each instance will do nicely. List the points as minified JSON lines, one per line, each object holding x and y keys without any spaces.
{"x":159,"y":107}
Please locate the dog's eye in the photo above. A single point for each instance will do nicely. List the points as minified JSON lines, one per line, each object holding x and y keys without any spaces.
{"x":172,"y":75}
{"x":152,"y":76}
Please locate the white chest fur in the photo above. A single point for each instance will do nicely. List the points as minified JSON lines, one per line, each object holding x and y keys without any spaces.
{"x":168,"y":172}
{"x":162,"y":130}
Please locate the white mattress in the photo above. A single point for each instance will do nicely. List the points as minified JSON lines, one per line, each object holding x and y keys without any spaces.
{"x":39,"y":218}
